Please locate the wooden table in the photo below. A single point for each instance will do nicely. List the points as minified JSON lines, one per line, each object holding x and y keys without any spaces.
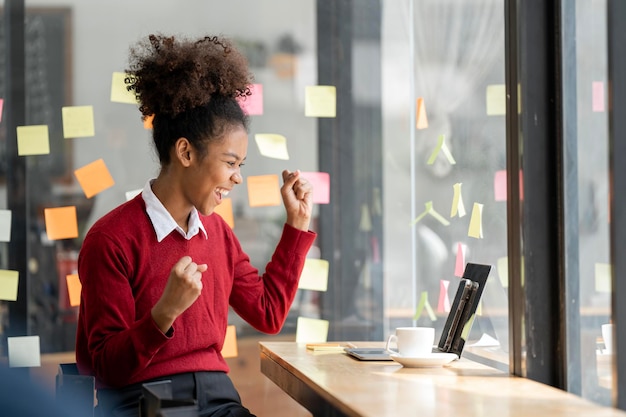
{"x":334,"y":384}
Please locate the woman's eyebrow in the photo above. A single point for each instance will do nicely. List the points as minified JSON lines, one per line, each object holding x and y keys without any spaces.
{"x":234,"y":155}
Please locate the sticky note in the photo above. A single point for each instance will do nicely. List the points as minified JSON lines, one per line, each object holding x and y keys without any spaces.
{"x":147,"y":121}
{"x":61,"y":223}
{"x":310,"y":330}
{"x":459,"y":265}
{"x":321,"y":186}
{"x":33,"y":140}
{"x":78,"y":121}
{"x":8,"y":284}
{"x":499,"y":185}
{"x":320,"y":101}
{"x":94,"y":178}
{"x":229,"y":349}
{"x":603,"y":277}
{"x":132,"y":193}
{"x":476,"y":222}
{"x":74,"y":288}
{"x":263,"y":190}
{"x":24,"y":351}
{"x":429,"y":210}
{"x":1,"y":108}
{"x":365,"y":224}
{"x":119,"y":90}
{"x":443,"y":306}
{"x":420,"y":117}
{"x":422,"y":305}
{"x":468,"y":326}
{"x":496,"y":100}
{"x":225,"y":210}
{"x":457,"y":201}
{"x":252,"y":105}
{"x":597,"y":96}
{"x":272,"y":145}
{"x":502,"y":266}
{"x":314,"y":275}
{"x":443,"y":148}
{"x":5,"y":225}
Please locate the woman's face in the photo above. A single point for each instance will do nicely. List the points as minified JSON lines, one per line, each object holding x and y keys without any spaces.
{"x":208,"y":180}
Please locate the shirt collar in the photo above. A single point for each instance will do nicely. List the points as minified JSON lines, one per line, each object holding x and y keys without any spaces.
{"x":162,"y":220}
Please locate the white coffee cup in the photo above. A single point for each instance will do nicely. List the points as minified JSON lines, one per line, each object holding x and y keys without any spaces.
{"x":412,"y":342}
{"x":607,"y":337}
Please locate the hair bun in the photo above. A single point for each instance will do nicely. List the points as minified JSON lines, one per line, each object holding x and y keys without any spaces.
{"x":171,"y":75}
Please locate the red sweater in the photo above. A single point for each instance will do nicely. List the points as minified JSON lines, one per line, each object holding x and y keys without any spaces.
{"x":123,"y":271}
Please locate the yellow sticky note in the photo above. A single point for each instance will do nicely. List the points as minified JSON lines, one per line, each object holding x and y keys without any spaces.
{"x":272,"y":145}
{"x":496,"y":100}
{"x":422,"y":305}
{"x":320,"y":101}
{"x":119,"y":90}
{"x":476,"y":222}
{"x":61,"y":222}
{"x":314,"y":275}
{"x":24,"y":352}
{"x":225,"y":210}
{"x":467,"y":327}
{"x":457,"y":201}
{"x":263,"y":190}
{"x":229,"y":349}
{"x":5,"y":225}
{"x":8,"y":284}
{"x":503,"y":270}
{"x":603,"y":277}
{"x":78,"y":121}
{"x":443,"y":148}
{"x":365,"y":225}
{"x":421,"y":119}
{"x":310,"y":330}
{"x":33,"y":140}
{"x":94,"y":178}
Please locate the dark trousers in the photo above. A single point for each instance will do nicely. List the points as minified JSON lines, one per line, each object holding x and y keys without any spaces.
{"x":214,"y":392}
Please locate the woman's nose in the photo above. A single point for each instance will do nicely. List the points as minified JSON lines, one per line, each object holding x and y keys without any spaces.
{"x":237,"y":178}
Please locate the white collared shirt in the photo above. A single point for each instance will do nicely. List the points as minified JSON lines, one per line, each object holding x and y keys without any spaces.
{"x":162,"y":220}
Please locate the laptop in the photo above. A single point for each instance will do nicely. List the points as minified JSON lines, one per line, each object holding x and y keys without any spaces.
{"x":458,"y":323}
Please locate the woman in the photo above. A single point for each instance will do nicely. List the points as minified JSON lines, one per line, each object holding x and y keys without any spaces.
{"x":159,"y":272}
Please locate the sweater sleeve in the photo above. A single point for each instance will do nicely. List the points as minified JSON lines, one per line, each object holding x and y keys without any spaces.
{"x":118,"y":344}
{"x":264,"y":301}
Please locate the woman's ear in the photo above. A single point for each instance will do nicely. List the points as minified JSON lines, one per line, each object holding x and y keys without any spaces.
{"x":183,"y":151}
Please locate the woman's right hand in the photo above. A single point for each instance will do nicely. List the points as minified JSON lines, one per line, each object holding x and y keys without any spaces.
{"x":183,"y":288}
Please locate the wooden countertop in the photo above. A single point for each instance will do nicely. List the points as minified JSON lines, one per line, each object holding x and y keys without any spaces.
{"x":334,"y":384}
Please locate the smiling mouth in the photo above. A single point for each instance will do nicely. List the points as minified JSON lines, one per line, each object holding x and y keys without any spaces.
{"x":222,"y":193}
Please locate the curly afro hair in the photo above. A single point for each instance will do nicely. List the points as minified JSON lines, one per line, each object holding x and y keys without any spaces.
{"x":190,"y":87}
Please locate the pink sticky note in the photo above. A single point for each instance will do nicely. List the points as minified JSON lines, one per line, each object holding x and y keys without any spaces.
{"x":499,"y":185}
{"x":253,"y":105}
{"x":444,"y":301}
{"x":321,"y":186}
{"x":1,"y":107}
{"x":597,"y":96}
{"x":459,"y":267}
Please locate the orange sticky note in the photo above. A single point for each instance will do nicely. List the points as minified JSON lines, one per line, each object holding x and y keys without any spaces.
{"x":33,"y":140}
{"x":225,"y":210}
{"x":147,"y":121}
{"x":422,"y":120}
{"x":61,"y":222}
{"x":94,"y":178}
{"x":263,"y":190}
{"x":229,"y":350}
{"x":73,"y":289}
{"x":253,"y":104}
{"x":444,"y":301}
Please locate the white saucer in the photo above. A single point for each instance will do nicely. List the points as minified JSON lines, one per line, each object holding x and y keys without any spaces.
{"x":433,"y":359}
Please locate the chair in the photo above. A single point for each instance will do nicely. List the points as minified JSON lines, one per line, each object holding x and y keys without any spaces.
{"x":75,"y":390}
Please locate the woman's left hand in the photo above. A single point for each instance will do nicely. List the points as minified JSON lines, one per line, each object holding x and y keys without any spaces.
{"x":297,"y":195}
